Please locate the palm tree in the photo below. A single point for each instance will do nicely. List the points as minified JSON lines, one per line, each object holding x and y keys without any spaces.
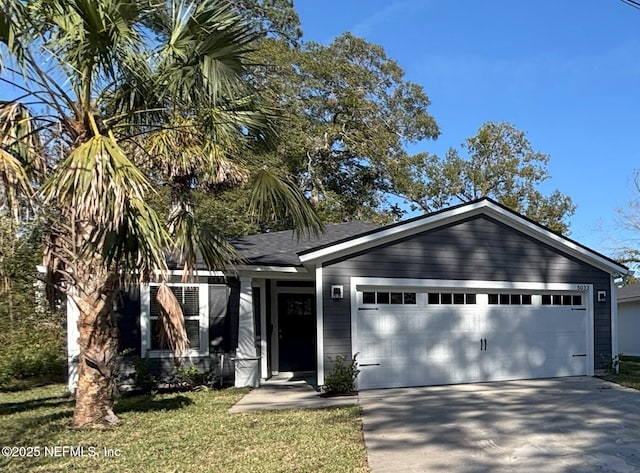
{"x":125,"y":97}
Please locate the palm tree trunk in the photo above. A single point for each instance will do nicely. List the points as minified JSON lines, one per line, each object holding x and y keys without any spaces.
{"x":98,"y":340}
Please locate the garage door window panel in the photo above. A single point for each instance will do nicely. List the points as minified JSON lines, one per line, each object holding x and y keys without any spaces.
{"x":385,"y":297}
{"x":559,"y":300}
{"x":509,"y":299}
{"x":410,"y":298}
{"x":446,"y":298}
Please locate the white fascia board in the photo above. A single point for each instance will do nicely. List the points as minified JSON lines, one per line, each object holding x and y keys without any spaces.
{"x":449,"y":216}
{"x":628,"y":300}
{"x":271,"y":269}
{"x":196,"y":272}
{"x":256,"y":268}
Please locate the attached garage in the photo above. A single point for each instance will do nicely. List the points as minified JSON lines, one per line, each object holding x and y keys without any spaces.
{"x":417,"y":335}
{"x":473,"y":293}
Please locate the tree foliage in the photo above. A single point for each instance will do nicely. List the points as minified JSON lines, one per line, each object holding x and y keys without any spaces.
{"x":500,"y":163}
{"x":275,"y":18}
{"x":135,"y":96}
{"x":348,"y":115}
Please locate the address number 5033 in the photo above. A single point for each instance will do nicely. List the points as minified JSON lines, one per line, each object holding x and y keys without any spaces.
{"x":582,"y":287}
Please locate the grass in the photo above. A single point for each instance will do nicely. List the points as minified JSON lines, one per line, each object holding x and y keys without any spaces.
{"x":629,"y":373}
{"x":181,"y":433}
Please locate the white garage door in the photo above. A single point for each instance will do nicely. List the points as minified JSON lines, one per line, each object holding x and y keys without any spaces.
{"x":407,"y":337}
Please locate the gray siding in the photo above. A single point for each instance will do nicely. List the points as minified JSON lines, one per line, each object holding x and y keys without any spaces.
{"x":478,"y":248}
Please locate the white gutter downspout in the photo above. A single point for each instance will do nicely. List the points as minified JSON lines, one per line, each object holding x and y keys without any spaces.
{"x":614,"y":323}
{"x":319,"y":328}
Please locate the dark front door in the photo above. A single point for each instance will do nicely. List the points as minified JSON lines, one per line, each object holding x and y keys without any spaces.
{"x":297,"y":332}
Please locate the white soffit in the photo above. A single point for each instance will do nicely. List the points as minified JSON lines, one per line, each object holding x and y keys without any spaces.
{"x":439,"y":219}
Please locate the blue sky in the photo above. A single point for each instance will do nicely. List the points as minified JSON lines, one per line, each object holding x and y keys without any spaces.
{"x":565,"y":71}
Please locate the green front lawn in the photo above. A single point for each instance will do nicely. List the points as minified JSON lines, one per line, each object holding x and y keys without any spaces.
{"x":629,"y":373}
{"x":180,"y":433}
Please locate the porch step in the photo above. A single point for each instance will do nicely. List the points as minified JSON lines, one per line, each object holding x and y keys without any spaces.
{"x":289,"y":377}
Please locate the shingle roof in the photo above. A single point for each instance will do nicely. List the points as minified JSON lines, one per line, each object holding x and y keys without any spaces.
{"x":629,"y":293}
{"x":281,"y":248}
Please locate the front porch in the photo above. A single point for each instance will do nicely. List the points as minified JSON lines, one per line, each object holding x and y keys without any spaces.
{"x":277,"y":331}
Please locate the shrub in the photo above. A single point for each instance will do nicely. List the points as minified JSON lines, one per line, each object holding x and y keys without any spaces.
{"x":610,"y":364}
{"x":32,"y":351}
{"x":191,"y":375}
{"x":144,"y":378}
{"x":342,"y":378}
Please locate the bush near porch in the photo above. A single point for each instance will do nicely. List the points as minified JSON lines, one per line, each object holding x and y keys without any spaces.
{"x":185,"y":432}
{"x":629,"y":373}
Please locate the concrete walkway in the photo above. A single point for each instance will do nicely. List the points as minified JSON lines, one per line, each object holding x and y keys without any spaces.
{"x":568,"y":425}
{"x":287,"y":394}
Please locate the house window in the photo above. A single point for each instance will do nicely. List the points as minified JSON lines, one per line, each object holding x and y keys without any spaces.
{"x":193,"y":300}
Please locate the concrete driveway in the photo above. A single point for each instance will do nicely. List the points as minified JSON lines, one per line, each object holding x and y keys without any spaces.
{"x":543,"y":426}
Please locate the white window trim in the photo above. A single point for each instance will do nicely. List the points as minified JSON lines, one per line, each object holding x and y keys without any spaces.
{"x":145,"y":321}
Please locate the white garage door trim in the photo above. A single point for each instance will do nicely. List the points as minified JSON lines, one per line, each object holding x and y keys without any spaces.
{"x":357,"y":283}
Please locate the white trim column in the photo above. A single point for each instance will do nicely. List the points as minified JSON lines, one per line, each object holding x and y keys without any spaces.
{"x":319,"y":328}
{"x":615,"y":349}
{"x":73,"y":348}
{"x":264,"y":329}
{"x":247,"y":366}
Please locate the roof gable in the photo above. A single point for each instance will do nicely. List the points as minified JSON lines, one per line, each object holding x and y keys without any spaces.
{"x":451,"y":215}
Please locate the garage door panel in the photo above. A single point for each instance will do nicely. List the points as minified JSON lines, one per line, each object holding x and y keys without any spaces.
{"x":422,"y":344}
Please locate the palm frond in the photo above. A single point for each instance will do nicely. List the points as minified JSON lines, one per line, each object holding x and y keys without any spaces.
{"x":19,"y":136}
{"x":204,"y":57}
{"x":95,"y":32}
{"x":21,"y":159}
{"x":279,"y":199}
{"x":14,"y":181}
{"x":172,"y":333}
{"x":11,"y":27}
{"x":192,"y":242}
{"x":104,"y":192}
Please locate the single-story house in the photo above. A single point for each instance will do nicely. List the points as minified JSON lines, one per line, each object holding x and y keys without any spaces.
{"x":629,"y":320}
{"x":471,"y":293}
